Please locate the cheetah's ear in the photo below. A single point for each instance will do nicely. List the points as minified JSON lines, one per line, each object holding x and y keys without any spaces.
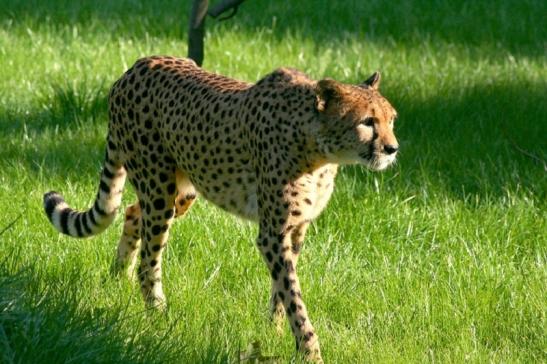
{"x":328,"y":92}
{"x":372,"y":82}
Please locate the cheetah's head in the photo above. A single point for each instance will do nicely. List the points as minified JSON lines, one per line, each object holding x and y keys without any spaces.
{"x":356,"y":123}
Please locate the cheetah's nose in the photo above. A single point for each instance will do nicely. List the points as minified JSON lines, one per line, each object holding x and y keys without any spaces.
{"x":390,"y":149}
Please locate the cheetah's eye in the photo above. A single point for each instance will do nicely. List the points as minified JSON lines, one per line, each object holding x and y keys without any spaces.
{"x":368,"y":121}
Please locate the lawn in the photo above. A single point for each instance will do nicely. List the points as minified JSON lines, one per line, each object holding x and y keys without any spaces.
{"x":440,"y":259}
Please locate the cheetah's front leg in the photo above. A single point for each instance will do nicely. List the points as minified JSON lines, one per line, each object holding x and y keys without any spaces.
{"x":277,"y":252}
{"x":277,"y":311}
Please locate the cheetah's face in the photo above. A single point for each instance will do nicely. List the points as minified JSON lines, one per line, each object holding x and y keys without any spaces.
{"x":356,"y":124}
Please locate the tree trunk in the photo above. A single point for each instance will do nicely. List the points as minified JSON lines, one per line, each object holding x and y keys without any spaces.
{"x":196,"y":32}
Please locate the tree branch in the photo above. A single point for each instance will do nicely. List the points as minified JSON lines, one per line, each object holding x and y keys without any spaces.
{"x":223,"y":6}
{"x":524,"y":151}
{"x":199,"y":10}
{"x":530,"y":155}
{"x":7,"y":227}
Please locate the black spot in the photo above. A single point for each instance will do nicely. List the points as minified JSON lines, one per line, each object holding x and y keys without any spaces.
{"x":78,"y":224}
{"x":104,"y":187}
{"x":111,"y":145}
{"x":99,"y":210}
{"x":289,"y":266}
{"x":159,"y":204}
{"x":51,"y":199}
{"x":286,"y":283}
{"x":107,"y":173}
{"x":308,"y":336}
{"x":293,"y":306}
{"x":171,"y":188}
{"x":64,"y":220}
{"x":144,"y":140}
{"x":153,"y":263}
{"x":156,"y":229}
{"x":92,"y":218}
{"x":85,"y":224}
{"x":269,"y":256}
{"x":156,"y":248}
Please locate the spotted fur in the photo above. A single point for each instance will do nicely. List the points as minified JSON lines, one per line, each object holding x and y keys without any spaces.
{"x":268,"y":152}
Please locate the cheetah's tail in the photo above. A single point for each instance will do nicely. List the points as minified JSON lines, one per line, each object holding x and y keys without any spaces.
{"x":97,"y":218}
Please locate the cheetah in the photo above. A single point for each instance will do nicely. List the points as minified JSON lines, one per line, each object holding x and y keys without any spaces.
{"x":268,"y":152}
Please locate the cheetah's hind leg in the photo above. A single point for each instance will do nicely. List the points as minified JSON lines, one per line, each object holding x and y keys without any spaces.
{"x":129,"y":244}
{"x":130,"y":241}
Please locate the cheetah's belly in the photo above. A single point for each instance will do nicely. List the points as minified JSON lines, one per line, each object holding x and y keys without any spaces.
{"x":241,"y":201}
{"x":234,"y":193}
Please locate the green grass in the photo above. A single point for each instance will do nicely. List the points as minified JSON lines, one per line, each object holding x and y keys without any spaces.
{"x":441,"y":259}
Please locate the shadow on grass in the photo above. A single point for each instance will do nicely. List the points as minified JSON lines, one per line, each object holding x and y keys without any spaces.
{"x":68,"y":107}
{"x":53,"y":325}
{"x":508,"y":26}
{"x":64,"y":135}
